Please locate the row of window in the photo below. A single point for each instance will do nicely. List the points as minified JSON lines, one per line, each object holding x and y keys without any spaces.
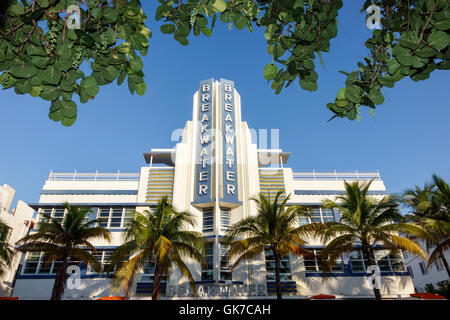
{"x":114,"y":217}
{"x":318,"y":215}
{"x":56,"y":214}
{"x":314,"y":263}
{"x":37,"y":264}
{"x":424,"y":269}
{"x":386,"y":261}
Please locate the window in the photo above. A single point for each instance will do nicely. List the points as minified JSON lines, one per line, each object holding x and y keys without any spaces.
{"x":405,"y":254}
{"x":357,"y":262}
{"x":315,"y":215}
{"x":225,"y":220}
{"x":104,"y":258}
{"x":47,"y":212}
{"x":207,"y":271}
{"x":310,"y":262}
{"x":129,"y":214}
{"x":303,"y":221}
{"x":382,"y":259}
{"x":115,"y":217}
{"x":225,"y":268}
{"x":313,"y":263}
{"x":285,"y":267}
{"x":318,"y":215}
{"x":32,"y":262}
{"x":56,"y":214}
{"x":423,"y":268}
{"x":208,"y":220}
{"x":327,"y":215}
{"x":411,"y":273}
{"x":385,"y":260}
{"x":396,"y":261}
{"x":149,"y":271}
{"x":37,"y":263}
{"x":439,"y":264}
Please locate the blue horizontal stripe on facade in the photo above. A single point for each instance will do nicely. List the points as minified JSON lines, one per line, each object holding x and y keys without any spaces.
{"x":232,"y":282}
{"x":147,"y":287}
{"x":52,"y":276}
{"x":331,"y":192}
{"x":110,"y":230}
{"x":103,"y":204}
{"x":203,"y":282}
{"x":356,"y":246}
{"x":356,"y":274}
{"x":102,"y":192}
{"x":286,"y":287}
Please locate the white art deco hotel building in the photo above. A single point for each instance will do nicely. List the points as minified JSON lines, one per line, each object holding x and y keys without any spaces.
{"x":213,"y":172}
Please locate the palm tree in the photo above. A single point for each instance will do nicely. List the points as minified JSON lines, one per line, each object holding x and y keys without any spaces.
{"x":66,"y":241}
{"x":441,"y":198}
{"x":274,"y":227}
{"x":418,"y":198}
{"x":431,"y":209}
{"x":158,"y":237}
{"x":366,"y":221}
{"x":6,"y":252}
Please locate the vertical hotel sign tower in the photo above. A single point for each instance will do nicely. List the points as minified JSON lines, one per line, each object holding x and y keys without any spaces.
{"x":229,"y":190}
{"x":216,"y":176}
{"x":205,"y":158}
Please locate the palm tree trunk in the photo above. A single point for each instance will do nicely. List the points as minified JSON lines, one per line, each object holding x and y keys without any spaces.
{"x":60,"y":281}
{"x":444,"y":261}
{"x":157,"y":284}
{"x":277,"y":273}
{"x":368,"y":251}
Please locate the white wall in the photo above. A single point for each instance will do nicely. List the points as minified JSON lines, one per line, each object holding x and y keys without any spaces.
{"x":433,"y":276}
{"x":19,"y":221}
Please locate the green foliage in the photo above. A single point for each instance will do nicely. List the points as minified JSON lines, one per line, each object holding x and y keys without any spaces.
{"x":41,"y":56}
{"x":69,"y":239}
{"x":443,"y":288}
{"x":6,"y":251}
{"x":158,"y":236}
{"x":275,"y":228}
{"x":294,"y":30}
{"x":430,"y":208}
{"x":412,"y":43}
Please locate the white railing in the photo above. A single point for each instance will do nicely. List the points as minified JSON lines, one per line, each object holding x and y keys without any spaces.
{"x":336,"y":175}
{"x":94,"y":176}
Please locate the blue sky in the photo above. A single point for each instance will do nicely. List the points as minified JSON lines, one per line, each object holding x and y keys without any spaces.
{"x":407,"y":140}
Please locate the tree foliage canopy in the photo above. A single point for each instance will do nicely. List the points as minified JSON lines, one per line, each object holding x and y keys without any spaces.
{"x":42,"y":57}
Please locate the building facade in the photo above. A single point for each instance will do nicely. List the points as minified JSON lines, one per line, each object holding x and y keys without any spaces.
{"x":213,"y":172}
{"x":422,"y":275}
{"x":19,"y":221}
